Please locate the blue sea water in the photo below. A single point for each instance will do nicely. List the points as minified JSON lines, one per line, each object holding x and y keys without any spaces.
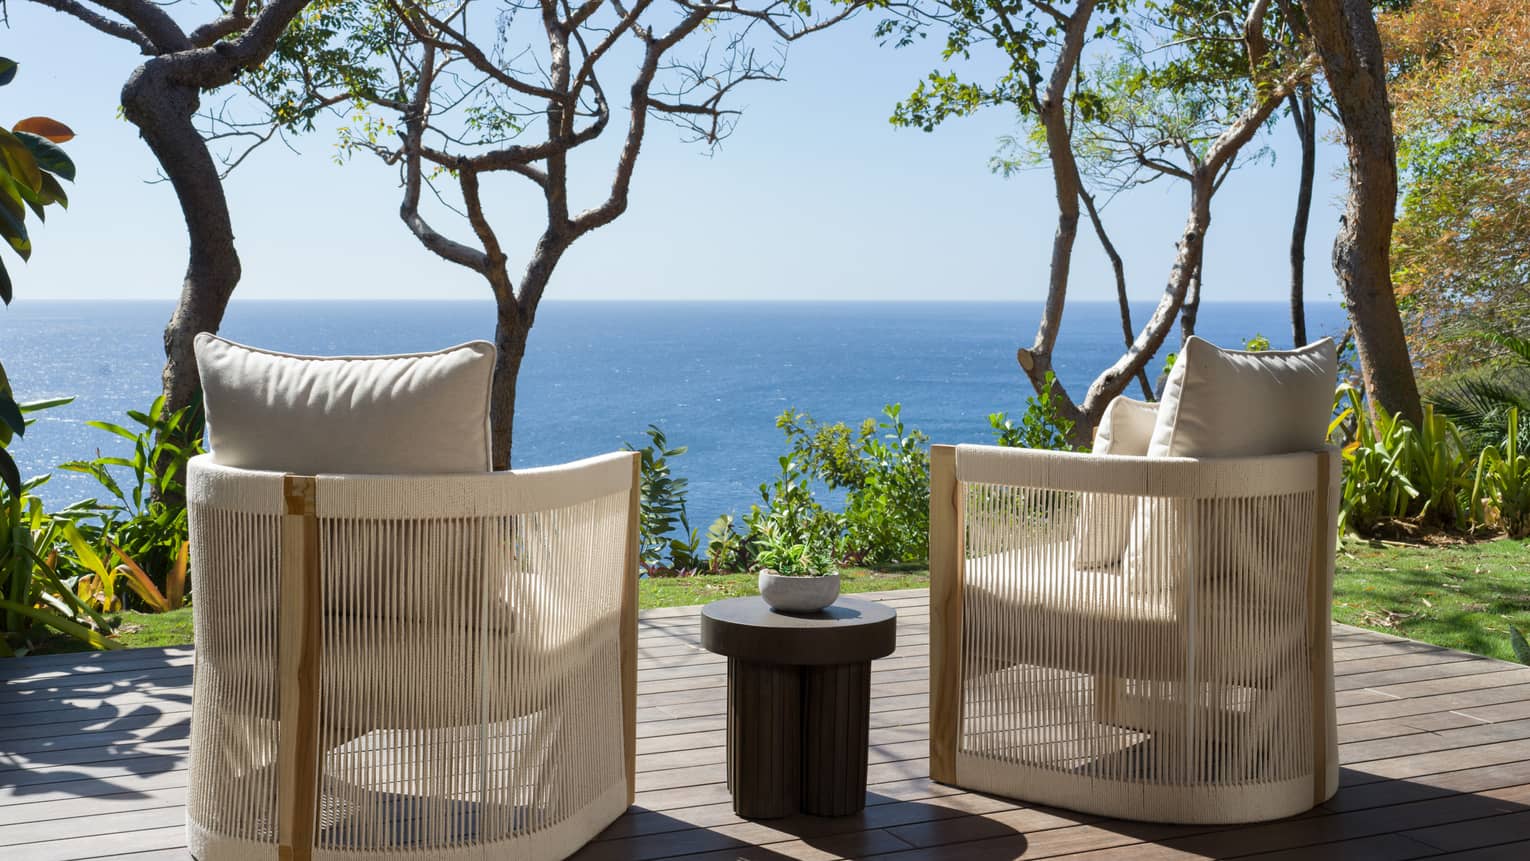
{"x":714,"y":376}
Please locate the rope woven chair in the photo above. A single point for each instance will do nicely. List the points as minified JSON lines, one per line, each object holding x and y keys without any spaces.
{"x":1190,"y":681}
{"x":437,"y":666}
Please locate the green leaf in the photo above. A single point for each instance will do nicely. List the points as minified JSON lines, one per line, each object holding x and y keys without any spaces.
{"x":5,"y":284}
{"x":9,"y":473}
{"x":10,"y":414}
{"x":52,"y":189}
{"x":15,"y":232}
{"x":86,"y":554}
{"x":53,"y":620}
{"x":20,"y":161}
{"x":49,"y":155}
{"x":45,"y":404}
{"x":1519,"y":645}
{"x":7,"y":70}
{"x":119,"y":430}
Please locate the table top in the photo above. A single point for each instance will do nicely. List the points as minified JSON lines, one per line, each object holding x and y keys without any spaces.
{"x":848,"y":631}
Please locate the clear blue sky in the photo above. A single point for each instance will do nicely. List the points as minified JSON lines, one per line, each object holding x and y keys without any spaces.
{"x":816,"y":196}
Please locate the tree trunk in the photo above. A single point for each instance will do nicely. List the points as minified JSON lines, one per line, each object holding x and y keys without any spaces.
{"x":1350,"y":48}
{"x":162,"y":109}
{"x":510,"y":334}
{"x":1189,"y":314}
{"x":1303,"y":115}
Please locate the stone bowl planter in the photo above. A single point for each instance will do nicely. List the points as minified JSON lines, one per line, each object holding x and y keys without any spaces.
{"x":798,"y":594}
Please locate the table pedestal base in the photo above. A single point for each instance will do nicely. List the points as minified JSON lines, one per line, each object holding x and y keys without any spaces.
{"x":797,"y":738}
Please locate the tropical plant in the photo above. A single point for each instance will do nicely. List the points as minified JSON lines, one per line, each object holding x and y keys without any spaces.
{"x":142,"y":524}
{"x":1479,"y":401}
{"x":726,"y":548}
{"x":780,"y":547}
{"x":38,"y":585}
{"x":663,"y":509}
{"x":790,"y":514}
{"x":1501,"y":491}
{"x":885,"y":467}
{"x":1394,"y":471}
{"x":1041,"y":426}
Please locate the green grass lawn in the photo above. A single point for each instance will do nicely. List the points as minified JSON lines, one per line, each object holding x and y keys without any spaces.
{"x":682,"y":591}
{"x":173,"y":629}
{"x":1463,"y":596}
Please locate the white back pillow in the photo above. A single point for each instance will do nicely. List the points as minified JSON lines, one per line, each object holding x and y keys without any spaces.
{"x":423,"y":413}
{"x":1104,"y":520}
{"x":1230,"y":403}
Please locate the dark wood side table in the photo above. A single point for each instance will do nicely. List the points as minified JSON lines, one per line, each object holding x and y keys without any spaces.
{"x":799,"y":702}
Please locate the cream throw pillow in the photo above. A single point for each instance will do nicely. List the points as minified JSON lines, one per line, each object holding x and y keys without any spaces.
{"x":422,"y":414}
{"x":1229,"y":403}
{"x":1105,"y":519}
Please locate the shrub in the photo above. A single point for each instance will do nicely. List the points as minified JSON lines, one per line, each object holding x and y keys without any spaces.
{"x":885,"y":467}
{"x":1394,"y":471}
{"x":141,"y":524}
{"x":726,"y":548}
{"x":1501,"y":489}
{"x":790,"y":513}
{"x":37,"y":591}
{"x":663,"y":510}
{"x":1041,"y":425}
{"x":1479,"y":401}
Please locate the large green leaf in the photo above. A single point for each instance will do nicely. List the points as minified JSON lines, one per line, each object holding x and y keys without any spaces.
{"x":50,"y":156}
{"x":5,"y":284}
{"x":7,"y":395}
{"x":19,"y":160}
{"x":10,"y":416}
{"x":7,"y":70}
{"x":53,"y":620}
{"x":15,"y":232}
{"x":54,"y":191}
{"x":9,"y":473}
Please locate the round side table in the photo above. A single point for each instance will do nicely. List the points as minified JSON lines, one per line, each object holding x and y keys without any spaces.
{"x":799,"y":702}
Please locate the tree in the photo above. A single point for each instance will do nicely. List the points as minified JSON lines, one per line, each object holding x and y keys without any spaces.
{"x":162,"y":98}
{"x":530,"y":101}
{"x":1042,"y":44}
{"x":1460,"y":86}
{"x":1347,"y":40}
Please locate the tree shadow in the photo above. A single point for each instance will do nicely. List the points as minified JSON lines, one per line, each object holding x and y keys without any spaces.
{"x":84,"y":725}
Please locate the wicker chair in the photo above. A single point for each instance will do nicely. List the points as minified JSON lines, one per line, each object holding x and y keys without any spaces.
{"x":1190,"y":682}
{"x":412,"y":667}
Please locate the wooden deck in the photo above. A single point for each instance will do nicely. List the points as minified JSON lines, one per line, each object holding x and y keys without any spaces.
{"x":1435,"y":745}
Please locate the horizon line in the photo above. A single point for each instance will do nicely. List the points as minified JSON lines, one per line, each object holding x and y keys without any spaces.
{"x":664,"y":301}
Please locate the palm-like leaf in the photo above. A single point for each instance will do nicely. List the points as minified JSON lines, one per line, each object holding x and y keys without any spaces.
{"x":1479,"y":404}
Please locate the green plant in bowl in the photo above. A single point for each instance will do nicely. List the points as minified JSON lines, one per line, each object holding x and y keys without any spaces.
{"x":797,"y":573}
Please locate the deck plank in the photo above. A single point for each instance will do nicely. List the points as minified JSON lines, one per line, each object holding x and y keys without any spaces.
{"x":1435,"y":746}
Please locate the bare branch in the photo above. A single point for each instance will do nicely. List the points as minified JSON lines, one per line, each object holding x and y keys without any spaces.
{"x":100,"y":22}
{"x":409,"y":210}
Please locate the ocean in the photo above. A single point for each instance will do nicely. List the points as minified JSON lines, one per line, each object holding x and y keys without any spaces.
{"x":713,"y":375}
